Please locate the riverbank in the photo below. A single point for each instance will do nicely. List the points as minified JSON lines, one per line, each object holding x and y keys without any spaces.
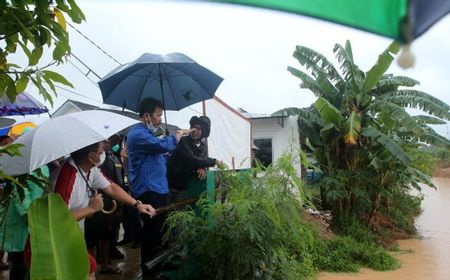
{"x":425,"y":257}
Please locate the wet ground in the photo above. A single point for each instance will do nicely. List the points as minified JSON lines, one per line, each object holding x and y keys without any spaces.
{"x":424,"y":258}
{"x":130,"y":266}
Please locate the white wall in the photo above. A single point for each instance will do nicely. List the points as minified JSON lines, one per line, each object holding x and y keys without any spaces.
{"x":230,"y":138}
{"x":282,"y":137}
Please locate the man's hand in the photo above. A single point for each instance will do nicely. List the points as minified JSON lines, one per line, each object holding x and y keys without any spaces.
{"x":96,"y":203}
{"x":201,"y":173}
{"x":187,"y":131}
{"x":124,"y":153}
{"x":178,"y":135}
{"x":146,"y":209}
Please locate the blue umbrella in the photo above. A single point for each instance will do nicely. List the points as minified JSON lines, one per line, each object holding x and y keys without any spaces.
{"x":174,"y":79}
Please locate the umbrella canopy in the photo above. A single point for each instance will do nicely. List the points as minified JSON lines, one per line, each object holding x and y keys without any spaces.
{"x":174,"y":79}
{"x":17,"y":129}
{"x":5,"y":122}
{"x":25,"y":104}
{"x":403,"y":20}
{"x":61,"y":136}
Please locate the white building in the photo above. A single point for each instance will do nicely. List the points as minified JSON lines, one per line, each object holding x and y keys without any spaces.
{"x":274,"y":136}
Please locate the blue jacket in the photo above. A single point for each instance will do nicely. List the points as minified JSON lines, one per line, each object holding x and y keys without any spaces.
{"x":146,"y":160}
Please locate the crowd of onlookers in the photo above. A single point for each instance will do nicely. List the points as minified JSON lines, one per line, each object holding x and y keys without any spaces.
{"x":121,"y":181}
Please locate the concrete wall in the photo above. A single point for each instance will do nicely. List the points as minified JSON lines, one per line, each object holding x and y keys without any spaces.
{"x":282,"y":136}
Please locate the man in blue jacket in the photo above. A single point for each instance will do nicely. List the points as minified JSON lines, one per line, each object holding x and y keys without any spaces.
{"x":147,"y":174}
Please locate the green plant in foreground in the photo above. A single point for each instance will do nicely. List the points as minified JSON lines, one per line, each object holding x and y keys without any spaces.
{"x":256,"y":231}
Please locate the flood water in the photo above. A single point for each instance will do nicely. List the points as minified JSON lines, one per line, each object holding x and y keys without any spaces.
{"x":430,"y":256}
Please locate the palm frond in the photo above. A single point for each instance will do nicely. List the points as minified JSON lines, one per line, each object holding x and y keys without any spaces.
{"x":317,"y":63}
{"x":328,"y":112}
{"x":351,"y":72}
{"x":309,"y":122}
{"x":398,"y":114}
{"x":387,"y":143}
{"x":353,"y":127}
{"x":307,"y":82}
{"x":390,"y":83}
{"x":432,"y":137}
{"x":419,"y":100}
{"x":420,"y":177}
{"x":428,"y":119}
{"x":380,"y":67}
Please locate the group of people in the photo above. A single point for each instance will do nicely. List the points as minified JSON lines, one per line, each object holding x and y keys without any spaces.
{"x":159,"y":167}
{"x":156,"y":167}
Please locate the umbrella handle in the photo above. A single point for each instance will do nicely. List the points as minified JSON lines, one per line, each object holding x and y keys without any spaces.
{"x":114,"y":207}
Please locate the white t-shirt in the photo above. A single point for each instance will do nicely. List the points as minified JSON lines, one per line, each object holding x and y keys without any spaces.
{"x":69,"y":183}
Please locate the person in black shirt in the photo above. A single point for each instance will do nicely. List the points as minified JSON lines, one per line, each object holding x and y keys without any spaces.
{"x":190,"y":158}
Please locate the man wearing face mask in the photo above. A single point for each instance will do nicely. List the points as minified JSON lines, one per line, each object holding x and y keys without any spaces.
{"x":147,"y":174}
{"x":79,"y":179}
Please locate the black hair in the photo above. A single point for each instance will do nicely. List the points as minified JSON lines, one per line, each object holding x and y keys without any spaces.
{"x":205,"y":124}
{"x":149,"y":105}
{"x":82,"y":153}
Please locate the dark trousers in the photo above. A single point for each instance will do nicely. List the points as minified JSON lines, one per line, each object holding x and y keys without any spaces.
{"x":152,"y":229}
{"x":17,"y":269}
{"x":131,"y":224}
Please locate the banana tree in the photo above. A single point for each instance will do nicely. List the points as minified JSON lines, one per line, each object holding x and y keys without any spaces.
{"x":358,"y":124}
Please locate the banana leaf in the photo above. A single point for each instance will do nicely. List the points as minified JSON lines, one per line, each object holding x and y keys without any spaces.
{"x":57,"y":242}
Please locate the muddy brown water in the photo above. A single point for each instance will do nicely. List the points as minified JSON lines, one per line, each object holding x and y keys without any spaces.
{"x":424,"y":258}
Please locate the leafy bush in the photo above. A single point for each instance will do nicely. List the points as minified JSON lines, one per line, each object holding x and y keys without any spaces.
{"x":255,"y":230}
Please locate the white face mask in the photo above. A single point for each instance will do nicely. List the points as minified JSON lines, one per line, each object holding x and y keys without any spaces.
{"x":151,"y":127}
{"x":102,"y":159}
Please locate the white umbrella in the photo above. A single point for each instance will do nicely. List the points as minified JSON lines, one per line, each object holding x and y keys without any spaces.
{"x":61,"y":136}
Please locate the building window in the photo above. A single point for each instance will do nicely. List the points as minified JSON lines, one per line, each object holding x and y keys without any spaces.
{"x":264,"y":151}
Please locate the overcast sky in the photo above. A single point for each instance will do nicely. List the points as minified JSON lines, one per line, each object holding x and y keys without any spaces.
{"x":249,"y":47}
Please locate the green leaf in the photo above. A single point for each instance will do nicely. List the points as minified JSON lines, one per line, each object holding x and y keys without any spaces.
{"x":22,"y":83}
{"x":45,"y":37}
{"x":59,"y":51}
{"x":381,"y":66}
{"x":36,"y":55}
{"x":26,"y":51}
{"x":353,"y":126}
{"x":57,"y":242}
{"x":11,"y":89}
{"x":11,"y":43}
{"x":428,"y":119}
{"x":386,"y":142}
{"x":77,"y":11}
{"x":49,"y":82}
{"x":42,"y":91}
{"x":57,"y":78}
{"x":328,"y":112}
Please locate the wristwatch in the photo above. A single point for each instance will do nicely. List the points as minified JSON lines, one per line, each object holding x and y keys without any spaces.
{"x":135,"y":205}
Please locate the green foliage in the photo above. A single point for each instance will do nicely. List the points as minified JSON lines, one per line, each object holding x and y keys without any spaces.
{"x":403,"y":210}
{"x":34,"y":26}
{"x":346,"y":254}
{"x":255,"y":230}
{"x":359,"y":131}
{"x":57,"y":243}
{"x":422,"y":159}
